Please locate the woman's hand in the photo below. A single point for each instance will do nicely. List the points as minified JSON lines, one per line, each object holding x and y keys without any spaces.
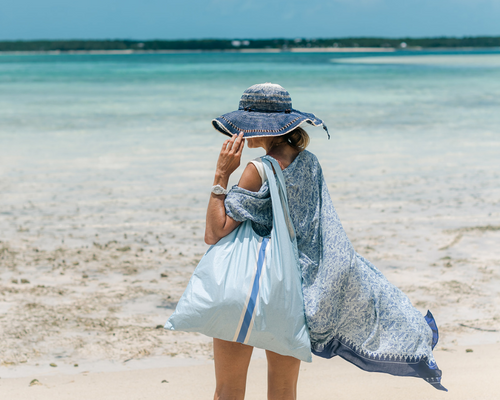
{"x":229,"y":158}
{"x":218,"y":223}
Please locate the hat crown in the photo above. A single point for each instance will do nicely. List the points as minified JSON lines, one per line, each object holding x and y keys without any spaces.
{"x":266,"y":97}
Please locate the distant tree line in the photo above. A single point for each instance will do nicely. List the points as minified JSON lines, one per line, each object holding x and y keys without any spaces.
{"x":223,"y":44}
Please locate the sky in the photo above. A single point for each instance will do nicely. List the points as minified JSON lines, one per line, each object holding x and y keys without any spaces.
{"x":245,"y":19}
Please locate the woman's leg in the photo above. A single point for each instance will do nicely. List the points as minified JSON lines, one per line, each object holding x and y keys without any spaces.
{"x":282,"y":376}
{"x":231,"y":366}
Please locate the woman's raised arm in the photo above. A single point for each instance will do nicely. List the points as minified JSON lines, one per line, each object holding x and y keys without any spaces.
{"x":218,"y":223}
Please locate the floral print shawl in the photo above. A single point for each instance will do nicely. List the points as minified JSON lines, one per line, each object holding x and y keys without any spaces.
{"x":351,"y":309}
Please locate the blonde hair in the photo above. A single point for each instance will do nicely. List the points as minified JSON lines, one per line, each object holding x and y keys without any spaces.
{"x":298,"y":139}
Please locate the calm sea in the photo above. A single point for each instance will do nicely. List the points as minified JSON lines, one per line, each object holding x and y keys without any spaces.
{"x":84,"y":132}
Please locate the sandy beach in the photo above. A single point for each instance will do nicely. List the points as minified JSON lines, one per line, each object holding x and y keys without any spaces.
{"x":471,"y":373}
{"x":85,"y":293}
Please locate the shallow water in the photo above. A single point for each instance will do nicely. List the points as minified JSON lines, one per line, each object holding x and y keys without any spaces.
{"x":79,"y":130}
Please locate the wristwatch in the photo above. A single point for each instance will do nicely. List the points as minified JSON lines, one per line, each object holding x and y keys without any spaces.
{"x":218,"y":189}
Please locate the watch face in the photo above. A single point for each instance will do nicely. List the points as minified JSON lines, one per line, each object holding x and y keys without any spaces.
{"x":218,"y":189}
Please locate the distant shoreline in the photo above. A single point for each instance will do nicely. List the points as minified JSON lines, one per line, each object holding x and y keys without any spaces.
{"x":292,"y":50}
{"x":272,"y":45}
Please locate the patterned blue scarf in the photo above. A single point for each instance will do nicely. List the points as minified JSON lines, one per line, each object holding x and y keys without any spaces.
{"x":351,"y":309}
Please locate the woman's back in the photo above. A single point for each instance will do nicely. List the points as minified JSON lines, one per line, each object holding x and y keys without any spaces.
{"x":305,"y":189}
{"x":304,"y":182}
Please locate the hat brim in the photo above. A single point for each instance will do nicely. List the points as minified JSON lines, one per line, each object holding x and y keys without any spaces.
{"x":262,"y":124}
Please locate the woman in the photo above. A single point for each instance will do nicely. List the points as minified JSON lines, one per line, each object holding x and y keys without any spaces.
{"x":231,"y":358}
{"x":351,"y":310}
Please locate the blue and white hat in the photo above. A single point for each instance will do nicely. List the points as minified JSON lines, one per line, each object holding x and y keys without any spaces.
{"x":265,"y":110}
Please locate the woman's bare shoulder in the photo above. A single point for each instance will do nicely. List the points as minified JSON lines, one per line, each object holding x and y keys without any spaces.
{"x":250,"y":179}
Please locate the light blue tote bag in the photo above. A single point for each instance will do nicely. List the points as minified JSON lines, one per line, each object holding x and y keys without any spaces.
{"x":247,"y":288}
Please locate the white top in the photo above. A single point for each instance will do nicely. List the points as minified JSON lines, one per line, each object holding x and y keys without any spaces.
{"x":260,"y":168}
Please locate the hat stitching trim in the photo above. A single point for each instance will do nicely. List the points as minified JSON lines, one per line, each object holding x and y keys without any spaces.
{"x":260,"y":130}
{"x":286,"y":111}
{"x":264,"y":101}
{"x":266,"y":95}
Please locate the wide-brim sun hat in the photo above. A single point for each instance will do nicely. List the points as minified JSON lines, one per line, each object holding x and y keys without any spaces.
{"x":265,"y":109}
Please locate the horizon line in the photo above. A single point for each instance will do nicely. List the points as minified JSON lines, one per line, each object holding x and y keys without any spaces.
{"x":258,"y":39}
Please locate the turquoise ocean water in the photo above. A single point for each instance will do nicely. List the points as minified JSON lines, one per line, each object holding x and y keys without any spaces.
{"x":144,"y":119}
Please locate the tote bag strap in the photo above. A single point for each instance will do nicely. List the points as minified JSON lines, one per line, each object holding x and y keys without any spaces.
{"x":277,"y":187}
